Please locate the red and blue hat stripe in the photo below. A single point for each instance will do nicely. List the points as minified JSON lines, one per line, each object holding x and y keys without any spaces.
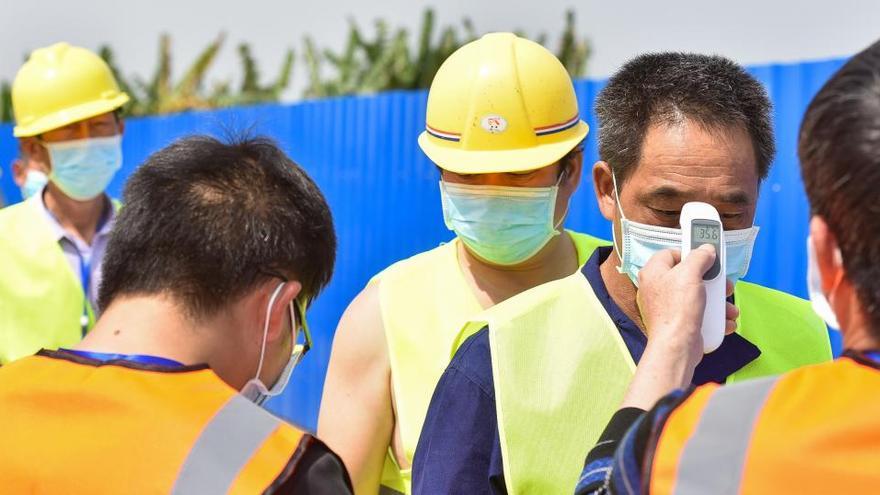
{"x":437,"y":133}
{"x":539,"y":131}
{"x":553,"y":129}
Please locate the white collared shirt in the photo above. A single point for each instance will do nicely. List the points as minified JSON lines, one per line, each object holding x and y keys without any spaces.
{"x":79,"y":254}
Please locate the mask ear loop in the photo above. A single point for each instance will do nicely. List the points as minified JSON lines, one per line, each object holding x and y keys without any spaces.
{"x":558,"y":224}
{"x":617,"y":195}
{"x":838,"y":258}
{"x":266,"y":327}
{"x":622,"y":220}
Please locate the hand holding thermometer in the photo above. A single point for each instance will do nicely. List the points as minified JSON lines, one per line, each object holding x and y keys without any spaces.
{"x":701,"y":224}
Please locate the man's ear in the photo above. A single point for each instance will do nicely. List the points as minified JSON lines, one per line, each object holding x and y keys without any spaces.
{"x":19,"y":172}
{"x":279,"y":315}
{"x":603,"y":185}
{"x":827,"y":253}
{"x":34,"y":153}
{"x":574,"y":168}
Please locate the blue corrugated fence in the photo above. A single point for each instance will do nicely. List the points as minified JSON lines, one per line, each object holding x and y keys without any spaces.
{"x":362,"y":152}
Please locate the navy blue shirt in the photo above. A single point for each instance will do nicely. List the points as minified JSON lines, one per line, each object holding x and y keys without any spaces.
{"x":459,"y":450}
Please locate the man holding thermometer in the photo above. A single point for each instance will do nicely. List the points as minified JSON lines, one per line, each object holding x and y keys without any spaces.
{"x":684,"y":142}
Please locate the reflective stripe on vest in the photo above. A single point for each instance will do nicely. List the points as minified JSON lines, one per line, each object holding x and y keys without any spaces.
{"x":225,"y":446}
{"x":810,"y":431}
{"x":712,"y":461}
{"x":428,"y":292}
{"x":561,"y":368}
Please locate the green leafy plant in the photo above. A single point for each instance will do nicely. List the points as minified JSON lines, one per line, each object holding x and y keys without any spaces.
{"x":366,"y":64}
{"x":5,"y":102}
{"x":384,"y":62}
{"x":163,"y":95}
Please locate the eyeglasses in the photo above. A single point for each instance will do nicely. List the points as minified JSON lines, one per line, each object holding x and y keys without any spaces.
{"x":298,"y":314}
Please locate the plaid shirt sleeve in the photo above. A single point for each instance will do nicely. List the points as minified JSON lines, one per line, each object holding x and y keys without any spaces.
{"x":616,"y":464}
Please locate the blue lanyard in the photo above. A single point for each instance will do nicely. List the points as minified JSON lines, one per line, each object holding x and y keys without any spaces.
{"x":874,"y":355}
{"x":133,"y":358}
{"x":85,"y":277}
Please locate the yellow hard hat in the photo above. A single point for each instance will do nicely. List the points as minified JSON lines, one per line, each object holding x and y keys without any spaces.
{"x":501,"y":104}
{"x":59,"y":85}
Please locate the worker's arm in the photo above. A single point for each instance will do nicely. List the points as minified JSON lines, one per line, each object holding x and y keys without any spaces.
{"x":615,"y":464}
{"x":356,"y":418}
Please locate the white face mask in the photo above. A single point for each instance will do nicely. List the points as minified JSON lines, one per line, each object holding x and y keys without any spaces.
{"x":814,"y":286}
{"x":255,"y":390}
{"x":639,"y":242}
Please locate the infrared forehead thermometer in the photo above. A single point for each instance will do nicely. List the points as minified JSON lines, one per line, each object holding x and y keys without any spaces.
{"x":701,"y":224}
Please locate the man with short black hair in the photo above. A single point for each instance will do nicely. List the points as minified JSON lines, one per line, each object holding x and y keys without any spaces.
{"x":208,"y":275}
{"x":532,"y":388}
{"x":809,"y":431}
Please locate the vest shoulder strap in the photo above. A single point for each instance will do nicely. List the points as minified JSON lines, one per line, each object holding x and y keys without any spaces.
{"x":785,"y":328}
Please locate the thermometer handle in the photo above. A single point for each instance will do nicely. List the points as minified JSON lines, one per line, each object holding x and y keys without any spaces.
{"x":701,"y":224}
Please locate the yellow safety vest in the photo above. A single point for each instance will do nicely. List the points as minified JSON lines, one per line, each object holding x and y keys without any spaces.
{"x":41,"y":299}
{"x":425,"y":300}
{"x":561,"y":369}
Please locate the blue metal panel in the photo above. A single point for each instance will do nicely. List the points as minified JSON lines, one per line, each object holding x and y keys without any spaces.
{"x":383,"y":191}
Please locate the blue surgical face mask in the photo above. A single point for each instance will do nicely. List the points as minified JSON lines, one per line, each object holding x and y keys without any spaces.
{"x":34,"y":182}
{"x":83,"y":168}
{"x":501,"y":225}
{"x":639,"y":242}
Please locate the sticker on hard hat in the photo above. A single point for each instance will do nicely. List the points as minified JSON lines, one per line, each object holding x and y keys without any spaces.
{"x":494,"y":124}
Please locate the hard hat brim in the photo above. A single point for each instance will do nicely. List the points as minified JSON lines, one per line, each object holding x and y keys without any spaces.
{"x":71,"y":115}
{"x":500,"y":161}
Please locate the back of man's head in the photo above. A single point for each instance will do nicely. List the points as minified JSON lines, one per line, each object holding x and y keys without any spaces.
{"x":839,"y":149}
{"x":668,"y":88}
{"x":204,"y":222}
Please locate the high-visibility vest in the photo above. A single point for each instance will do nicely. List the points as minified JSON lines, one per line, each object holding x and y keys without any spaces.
{"x":561,"y":368}
{"x":41,"y":298}
{"x":72,"y":425}
{"x":425,"y":300}
{"x":815,"y":430}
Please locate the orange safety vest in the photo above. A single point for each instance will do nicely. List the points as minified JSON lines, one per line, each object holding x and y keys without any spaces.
{"x":74,"y":425}
{"x":815,"y":430}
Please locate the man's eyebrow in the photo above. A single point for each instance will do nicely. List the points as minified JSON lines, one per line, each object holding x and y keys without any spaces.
{"x":663,"y":192}
{"x":737,"y":198}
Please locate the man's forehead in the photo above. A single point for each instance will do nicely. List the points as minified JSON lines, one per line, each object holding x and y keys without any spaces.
{"x":685,"y":158}
{"x":104,"y":117}
{"x":720,"y":193}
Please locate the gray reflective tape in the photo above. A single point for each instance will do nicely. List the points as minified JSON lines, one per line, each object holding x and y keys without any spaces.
{"x":712,"y":460}
{"x":226,"y":444}
{"x":384,"y":490}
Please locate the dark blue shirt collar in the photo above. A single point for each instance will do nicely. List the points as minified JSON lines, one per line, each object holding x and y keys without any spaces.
{"x":734,"y":353}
